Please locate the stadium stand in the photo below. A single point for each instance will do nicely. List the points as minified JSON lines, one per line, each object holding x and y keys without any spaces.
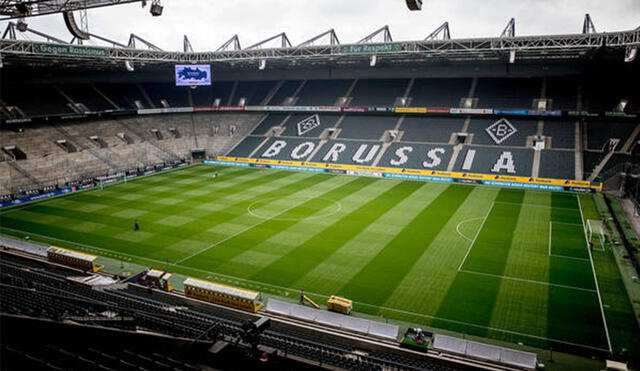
{"x":348,"y":152}
{"x":34,"y":289}
{"x":206,"y":96}
{"x":557,"y":164}
{"x":86,"y":95}
{"x":366,"y":126}
{"x":287,"y":90}
{"x":431,"y":130}
{"x":501,"y":131}
{"x":381,"y":92}
{"x":599,"y":133}
{"x":115,"y":92}
{"x":508,"y":93}
{"x":308,"y":124}
{"x":322,"y":92}
{"x":439,"y":92}
{"x":495,"y":160}
{"x":173,"y":96}
{"x":562,"y":133}
{"x":417,"y":156}
{"x":563,"y":92}
{"x":253,"y":93}
{"x":35,"y":99}
{"x":290,"y":149}
{"x":273,"y":119}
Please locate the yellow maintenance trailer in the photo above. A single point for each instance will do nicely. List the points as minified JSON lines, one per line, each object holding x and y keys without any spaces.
{"x":340,"y":305}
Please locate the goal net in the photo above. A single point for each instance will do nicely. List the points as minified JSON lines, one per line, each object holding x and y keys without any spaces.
{"x":596,"y":233}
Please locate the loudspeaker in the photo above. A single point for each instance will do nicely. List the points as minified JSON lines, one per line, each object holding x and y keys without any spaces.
{"x":414,"y":4}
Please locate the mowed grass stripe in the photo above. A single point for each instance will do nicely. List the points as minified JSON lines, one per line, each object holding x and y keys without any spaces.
{"x":158,"y":237}
{"x":427,"y":283}
{"x":281,"y":244}
{"x":572,"y":314}
{"x":203,"y":227}
{"x":245,"y":241}
{"x":377,"y":281}
{"x":297,"y":263}
{"x":125,"y":223}
{"x":89,"y":195}
{"x":471,"y":297}
{"x":518,"y":304}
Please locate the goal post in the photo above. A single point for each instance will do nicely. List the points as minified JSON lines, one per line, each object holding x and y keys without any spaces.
{"x":596,"y":233}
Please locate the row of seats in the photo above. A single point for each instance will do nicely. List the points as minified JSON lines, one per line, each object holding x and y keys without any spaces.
{"x":48,"y":294}
{"x":562,"y":92}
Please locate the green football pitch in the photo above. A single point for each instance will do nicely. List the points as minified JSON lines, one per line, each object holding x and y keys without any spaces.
{"x":501,"y":263}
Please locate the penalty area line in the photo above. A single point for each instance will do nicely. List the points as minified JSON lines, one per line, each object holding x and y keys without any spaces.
{"x":595,"y":277}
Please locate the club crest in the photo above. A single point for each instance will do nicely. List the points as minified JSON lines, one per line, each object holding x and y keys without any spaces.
{"x":501,"y":130}
{"x":308,"y":124}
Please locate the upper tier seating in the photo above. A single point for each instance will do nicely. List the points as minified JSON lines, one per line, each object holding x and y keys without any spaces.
{"x":254,"y":92}
{"x":176,"y":96}
{"x":85,"y":94}
{"x":322,"y":92}
{"x":378,"y":92}
{"x":507,"y":93}
{"x":563,"y":92}
{"x":287,"y":90}
{"x":205,"y":96}
{"x":439,"y":92}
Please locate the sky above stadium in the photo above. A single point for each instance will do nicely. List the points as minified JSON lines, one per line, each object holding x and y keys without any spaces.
{"x":209,"y":23}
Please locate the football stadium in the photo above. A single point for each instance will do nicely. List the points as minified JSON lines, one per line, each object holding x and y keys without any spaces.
{"x":436,"y":204}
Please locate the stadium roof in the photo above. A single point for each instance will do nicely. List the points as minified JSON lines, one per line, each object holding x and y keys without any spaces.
{"x":436,"y":48}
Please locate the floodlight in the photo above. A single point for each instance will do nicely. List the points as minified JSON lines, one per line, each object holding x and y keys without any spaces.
{"x":156,"y":8}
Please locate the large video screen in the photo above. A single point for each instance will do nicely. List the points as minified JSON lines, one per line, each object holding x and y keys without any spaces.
{"x":193,"y":74}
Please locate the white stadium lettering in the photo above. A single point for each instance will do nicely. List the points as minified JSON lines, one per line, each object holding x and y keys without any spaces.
{"x":302,"y":150}
{"x":505,"y":162}
{"x":275,"y":148}
{"x":468,"y":160}
{"x":402,"y":156}
{"x":435,"y":160}
{"x":357,"y":158}
{"x":334,"y":152}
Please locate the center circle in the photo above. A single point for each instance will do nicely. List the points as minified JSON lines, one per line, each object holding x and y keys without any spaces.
{"x":325,"y":207}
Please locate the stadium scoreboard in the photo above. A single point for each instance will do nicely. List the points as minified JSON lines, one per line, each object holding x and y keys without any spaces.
{"x":193,"y":74}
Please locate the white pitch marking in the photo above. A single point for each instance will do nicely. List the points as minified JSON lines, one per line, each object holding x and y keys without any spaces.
{"x":526,"y":280}
{"x":557,"y":255}
{"x":461,"y":223}
{"x":476,"y":236}
{"x":264,"y":220}
{"x":595,"y":278}
{"x":251,"y":211}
